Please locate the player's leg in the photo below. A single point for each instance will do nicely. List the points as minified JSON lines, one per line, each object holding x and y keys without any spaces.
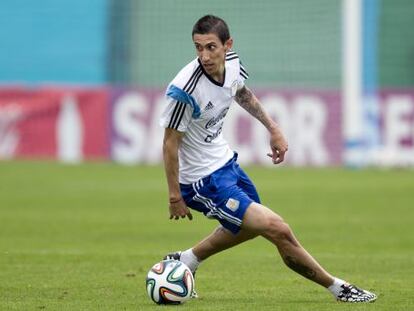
{"x":258,"y":219}
{"x":263,"y":221}
{"x":219,"y":240}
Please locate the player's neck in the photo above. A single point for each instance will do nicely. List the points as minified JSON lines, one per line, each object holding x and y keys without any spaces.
{"x":219,"y":75}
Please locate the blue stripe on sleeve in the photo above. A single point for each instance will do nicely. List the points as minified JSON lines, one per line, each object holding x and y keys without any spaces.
{"x":182,"y":96}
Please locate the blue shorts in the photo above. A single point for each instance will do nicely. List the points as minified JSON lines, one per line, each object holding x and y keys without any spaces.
{"x":224,"y":195}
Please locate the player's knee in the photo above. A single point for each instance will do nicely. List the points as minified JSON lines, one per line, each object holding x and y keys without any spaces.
{"x":267,"y":223}
{"x":278,"y":230}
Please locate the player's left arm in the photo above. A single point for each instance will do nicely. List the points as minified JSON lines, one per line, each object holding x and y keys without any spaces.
{"x":245,"y":98}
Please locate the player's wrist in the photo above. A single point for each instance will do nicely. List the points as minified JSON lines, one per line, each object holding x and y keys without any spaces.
{"x":274,"y":129}
{"x":173,"y":200}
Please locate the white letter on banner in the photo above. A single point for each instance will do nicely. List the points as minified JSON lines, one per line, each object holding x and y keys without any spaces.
{"x":69,"y":131}
{"x":236,"y":140}
{"x":156,"y":133}
{"x":276,"y":107}
{"x":130,"y":142}
{"x":396,"y":128}
{"x":309,"y":123}
{"x":10,"y":116}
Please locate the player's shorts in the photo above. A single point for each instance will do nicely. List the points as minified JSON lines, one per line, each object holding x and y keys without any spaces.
{"x":224,"y":195}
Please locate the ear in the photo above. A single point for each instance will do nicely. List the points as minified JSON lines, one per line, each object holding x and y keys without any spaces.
{"x":228,"y":45}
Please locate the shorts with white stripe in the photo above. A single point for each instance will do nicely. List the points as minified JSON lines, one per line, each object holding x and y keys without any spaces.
{"x":223,"y":195}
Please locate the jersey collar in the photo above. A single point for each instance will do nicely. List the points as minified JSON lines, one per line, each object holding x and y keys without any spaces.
{"x":210,"y":77}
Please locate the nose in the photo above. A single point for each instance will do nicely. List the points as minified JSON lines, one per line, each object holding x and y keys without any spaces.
{"x":204,"y":56}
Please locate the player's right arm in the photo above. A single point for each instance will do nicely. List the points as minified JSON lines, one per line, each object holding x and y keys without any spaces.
{"x":171,"y":143}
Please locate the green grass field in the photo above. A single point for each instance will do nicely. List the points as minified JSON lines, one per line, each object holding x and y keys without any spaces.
{"x":83,"y":238}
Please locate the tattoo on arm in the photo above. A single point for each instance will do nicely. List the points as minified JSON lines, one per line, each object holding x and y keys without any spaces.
{"x":245,"y":98}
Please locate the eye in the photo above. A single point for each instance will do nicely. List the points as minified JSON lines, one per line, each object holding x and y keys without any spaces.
{"x":211,"y":47}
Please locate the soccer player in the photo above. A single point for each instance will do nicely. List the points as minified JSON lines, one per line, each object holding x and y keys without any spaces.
{"x":202,"y":171}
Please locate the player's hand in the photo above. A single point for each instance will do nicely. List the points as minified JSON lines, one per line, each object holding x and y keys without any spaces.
{"x":279,"y":147}
{"x":179,"y":209}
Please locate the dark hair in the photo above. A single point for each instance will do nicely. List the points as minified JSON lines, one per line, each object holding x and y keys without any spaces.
{"x":212,"y":24}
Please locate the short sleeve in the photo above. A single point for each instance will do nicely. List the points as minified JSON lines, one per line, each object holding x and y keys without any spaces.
{"x":176,"y":115}
{"x":243,"y":73}
{"x":243,"y":76}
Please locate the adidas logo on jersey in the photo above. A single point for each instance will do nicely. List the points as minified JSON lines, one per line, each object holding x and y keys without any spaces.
{"x":209,"y":106}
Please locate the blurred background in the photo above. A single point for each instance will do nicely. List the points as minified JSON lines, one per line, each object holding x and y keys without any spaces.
{"x":85,"y":80}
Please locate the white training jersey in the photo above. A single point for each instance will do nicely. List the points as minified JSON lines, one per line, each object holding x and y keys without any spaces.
{"x":200,"y":116}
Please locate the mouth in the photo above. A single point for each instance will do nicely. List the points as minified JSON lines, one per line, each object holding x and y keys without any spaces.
{"x":208,"y":66}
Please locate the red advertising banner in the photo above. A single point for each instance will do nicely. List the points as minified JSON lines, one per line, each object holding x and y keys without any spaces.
{"x":75,"y":124}
{"x":68,"y":124}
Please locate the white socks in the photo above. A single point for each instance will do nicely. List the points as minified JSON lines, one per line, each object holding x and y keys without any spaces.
{"x":336,"y":288}
{"x":190,"y":259}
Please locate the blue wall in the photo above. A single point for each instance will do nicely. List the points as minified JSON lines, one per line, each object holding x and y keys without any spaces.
{"x":53,"y":41}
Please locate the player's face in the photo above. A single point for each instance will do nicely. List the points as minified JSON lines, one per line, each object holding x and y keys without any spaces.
{"x":212,"y":53}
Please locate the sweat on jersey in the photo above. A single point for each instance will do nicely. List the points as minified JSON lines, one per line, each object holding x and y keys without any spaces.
{"x":197,"y":106}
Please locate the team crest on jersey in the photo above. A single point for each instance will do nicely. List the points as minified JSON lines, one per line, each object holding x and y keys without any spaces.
{"x":232,"y":204}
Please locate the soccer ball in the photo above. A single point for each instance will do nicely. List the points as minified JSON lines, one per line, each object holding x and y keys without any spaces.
{"x":170,"y":282}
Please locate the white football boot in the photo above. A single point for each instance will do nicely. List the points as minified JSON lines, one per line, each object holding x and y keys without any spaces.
{"x":351,"y":293}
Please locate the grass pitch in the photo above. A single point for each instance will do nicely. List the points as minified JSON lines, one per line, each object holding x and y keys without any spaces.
{"x":83,"y":238}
